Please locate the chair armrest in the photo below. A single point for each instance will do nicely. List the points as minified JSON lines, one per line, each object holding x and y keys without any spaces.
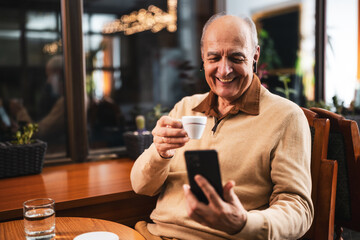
{"x":327,"y":196}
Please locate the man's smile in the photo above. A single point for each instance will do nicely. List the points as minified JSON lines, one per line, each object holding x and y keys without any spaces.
{"x":225,"y":80}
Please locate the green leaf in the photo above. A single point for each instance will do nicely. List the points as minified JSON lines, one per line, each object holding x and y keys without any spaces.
{"x":280,"y":90}
{"x":25,"y":136}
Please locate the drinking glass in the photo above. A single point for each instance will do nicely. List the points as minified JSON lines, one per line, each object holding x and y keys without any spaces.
{"x":39,"y":219}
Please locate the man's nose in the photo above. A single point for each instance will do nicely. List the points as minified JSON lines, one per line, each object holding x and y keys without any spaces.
{"x":225,"y":68}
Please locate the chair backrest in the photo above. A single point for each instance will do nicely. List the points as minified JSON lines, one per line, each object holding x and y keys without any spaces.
{"x":323,"y":173}
{"x":344,"y":146}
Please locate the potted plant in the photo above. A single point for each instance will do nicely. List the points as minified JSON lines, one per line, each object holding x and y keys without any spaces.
{"x":155,"y":114}
{"x":137,"y":141}
{"x":24,"y":155}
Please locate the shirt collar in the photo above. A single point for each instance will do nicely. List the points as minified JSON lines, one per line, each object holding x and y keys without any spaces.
{"x":248,"y":102}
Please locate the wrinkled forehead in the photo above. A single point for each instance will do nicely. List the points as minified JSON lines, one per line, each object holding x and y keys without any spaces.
{"x":229,"y":31}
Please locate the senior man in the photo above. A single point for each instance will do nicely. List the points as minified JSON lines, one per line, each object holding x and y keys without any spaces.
{"x":263,"y":143}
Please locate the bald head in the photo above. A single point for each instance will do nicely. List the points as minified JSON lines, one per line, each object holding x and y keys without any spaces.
{"x":228,"y":23}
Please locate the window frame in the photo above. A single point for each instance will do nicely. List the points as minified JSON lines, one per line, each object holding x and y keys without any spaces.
{"x":74,"y":58}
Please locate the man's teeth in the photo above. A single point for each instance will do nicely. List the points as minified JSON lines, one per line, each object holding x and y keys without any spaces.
{"x":225,"y":80}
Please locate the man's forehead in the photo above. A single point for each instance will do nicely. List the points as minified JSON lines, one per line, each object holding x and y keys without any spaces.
{"x":228,"y":30}
{"x":230,"y":39}
{"x":231,"y":44}
{"x":220,"y":47}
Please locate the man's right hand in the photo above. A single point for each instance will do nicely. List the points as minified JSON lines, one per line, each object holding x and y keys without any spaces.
{"x":169,"y":135}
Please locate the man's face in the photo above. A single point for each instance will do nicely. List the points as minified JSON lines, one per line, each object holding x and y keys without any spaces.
{"x":228,"y":55}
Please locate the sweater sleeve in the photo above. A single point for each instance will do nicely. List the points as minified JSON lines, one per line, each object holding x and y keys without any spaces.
{"x":290,"y":212}
{"x":150,"y":171}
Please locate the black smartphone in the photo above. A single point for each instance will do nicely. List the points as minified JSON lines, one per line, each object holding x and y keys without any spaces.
{"x":205,"y":163}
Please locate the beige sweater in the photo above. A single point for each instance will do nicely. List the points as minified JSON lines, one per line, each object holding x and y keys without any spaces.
{"x":268,"y":157}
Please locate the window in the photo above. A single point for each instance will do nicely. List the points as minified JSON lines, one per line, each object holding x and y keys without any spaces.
{"x":126,"y":74}
{"x":341,"y":54}
{"x":31,"y":70}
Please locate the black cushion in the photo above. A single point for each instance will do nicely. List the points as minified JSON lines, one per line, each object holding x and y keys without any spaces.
{"x":336,"y":151}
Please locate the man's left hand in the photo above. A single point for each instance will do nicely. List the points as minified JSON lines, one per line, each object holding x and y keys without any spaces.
{"x":227,"y":215}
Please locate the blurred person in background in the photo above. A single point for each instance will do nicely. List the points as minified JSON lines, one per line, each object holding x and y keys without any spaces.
{"x":51,"y":104}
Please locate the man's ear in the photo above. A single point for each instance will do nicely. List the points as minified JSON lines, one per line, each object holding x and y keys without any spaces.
{"x":202,"y":60}
{"x":257,"y":53}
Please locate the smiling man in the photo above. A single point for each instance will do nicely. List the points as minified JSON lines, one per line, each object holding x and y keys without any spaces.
{"x":263,"y":143}
{"x":229,"y":58}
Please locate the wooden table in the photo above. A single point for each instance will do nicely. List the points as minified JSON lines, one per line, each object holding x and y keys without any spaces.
{"x":69,"y":227}
{"x":94,"y":189}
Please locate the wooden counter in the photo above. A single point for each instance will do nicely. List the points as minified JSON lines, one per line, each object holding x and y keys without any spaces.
{"x":94,"y":189}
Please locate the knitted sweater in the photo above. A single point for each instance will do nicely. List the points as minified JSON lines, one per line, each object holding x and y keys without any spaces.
{"x":268,"y":157}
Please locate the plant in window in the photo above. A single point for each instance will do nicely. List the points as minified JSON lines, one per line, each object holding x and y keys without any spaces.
{"x":339,"y":107}
{"x":140,"y":123}
{"x":24,"y":155}
{"x":156,"y":113}
{"x":319,"y":104}
{"x":285,"y":79}
{"x":269,"y":57}
{"x":25,"y":136}
{"x":137,"y":141}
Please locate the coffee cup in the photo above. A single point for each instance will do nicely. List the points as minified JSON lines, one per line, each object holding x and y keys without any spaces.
{"x":194,"y":125}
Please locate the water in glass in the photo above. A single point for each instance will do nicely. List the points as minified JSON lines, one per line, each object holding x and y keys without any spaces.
{"x":39,"y":223}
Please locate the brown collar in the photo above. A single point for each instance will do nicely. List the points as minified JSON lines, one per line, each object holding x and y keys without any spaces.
{"x":248,"y":102}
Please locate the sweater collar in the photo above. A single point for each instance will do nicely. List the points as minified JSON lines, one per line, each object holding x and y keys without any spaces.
{"x":248,"y":102}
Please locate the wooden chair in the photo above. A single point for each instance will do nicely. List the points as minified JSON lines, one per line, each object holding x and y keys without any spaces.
{"x":344,"y":146}
{"x":323,"y":173}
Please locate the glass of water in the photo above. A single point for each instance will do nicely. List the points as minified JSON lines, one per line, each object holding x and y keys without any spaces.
{"x":39,"y":219}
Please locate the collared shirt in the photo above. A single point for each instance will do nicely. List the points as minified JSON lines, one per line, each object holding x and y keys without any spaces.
{"x":248,"y":102}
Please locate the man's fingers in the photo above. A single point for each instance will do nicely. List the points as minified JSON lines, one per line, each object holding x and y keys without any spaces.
{"x":168,"y":136}
{"x":195,"y":209}
{"x":169,"y":132}
{"x":190,"y":196}
{"x":218,"y":214}
{"x":165,"y":146}
{"x":171,"y":140}
{"x":209,"y":191}
{"x":169,"y":127}
{"x":229,"y":194}
{"x":168,"y":121}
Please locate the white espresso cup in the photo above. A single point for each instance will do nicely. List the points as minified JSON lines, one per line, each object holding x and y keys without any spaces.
{"x":194,"y":125}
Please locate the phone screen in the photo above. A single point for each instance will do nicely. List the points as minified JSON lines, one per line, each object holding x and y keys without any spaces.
{"x":205,"y":163}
